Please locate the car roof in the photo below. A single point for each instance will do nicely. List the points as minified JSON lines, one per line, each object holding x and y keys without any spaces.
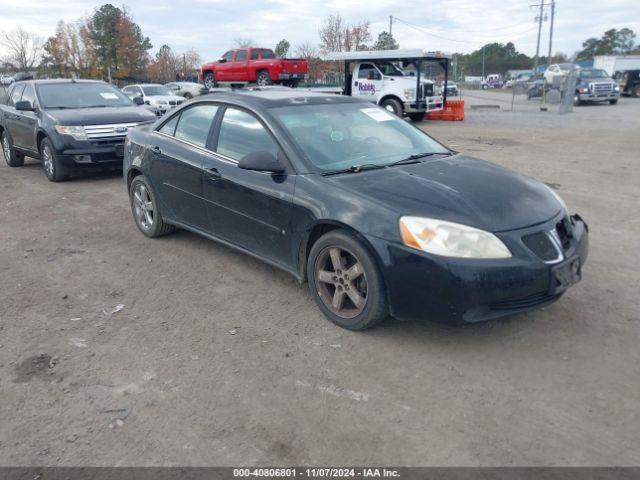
{"x":258,"y":98}
{"x":59,"y":80}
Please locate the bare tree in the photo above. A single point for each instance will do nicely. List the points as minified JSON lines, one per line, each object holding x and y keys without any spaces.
{"x":241,"y":42}
{"x":25,"y":48}
{"x":332,"y":33}
{"x":306,"y":50}
{"x":357,"y":36}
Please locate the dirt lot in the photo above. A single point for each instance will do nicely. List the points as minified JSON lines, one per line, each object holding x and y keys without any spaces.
{"x":218,"y":359}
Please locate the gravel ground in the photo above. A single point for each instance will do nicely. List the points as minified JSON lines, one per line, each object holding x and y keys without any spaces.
{"x":218,"y":359}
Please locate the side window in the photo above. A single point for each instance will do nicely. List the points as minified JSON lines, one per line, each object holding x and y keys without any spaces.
{"x":194,"y":124}
{"x":29,"y":94}
{"x":241,"y":55}
{"x":368,"y":72}
{"x":15,"y":95}
{"x":228,"y":56}
{"x":255,"y":53}
{"x":169,"y":128}
{"x":173,"y":87}
{"x":241,"y":133}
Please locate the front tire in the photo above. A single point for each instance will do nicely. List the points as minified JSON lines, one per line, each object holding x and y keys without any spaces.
{"x":263,"y":79}
{"x":392,"y":105}
{"x":345,"y":281}
{"x":636,"y":91}
{"x":12,"y":158}
{"x":145,"y":210}
{"x":576,"y":100}
{"x":613,"y":102}
{"x":210,"y":80}
{"x":51,"y":164}
{"x":188,"y":96}
{"x":417,"y":116}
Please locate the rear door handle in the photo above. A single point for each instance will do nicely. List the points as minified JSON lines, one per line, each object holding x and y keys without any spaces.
{"x":156,"y":150}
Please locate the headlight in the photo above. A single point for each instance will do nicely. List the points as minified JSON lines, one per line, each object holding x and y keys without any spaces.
{"x":77,"y":132}
{"x":450,"y":239}
{"x":558,"y":198}
{"x":409,"y":92}
{"x":616,"y":88}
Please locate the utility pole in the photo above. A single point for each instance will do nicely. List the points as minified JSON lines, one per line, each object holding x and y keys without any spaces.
{"x":553,"y":11}
{"x":483,"y":63}
{"x":390,"y":25}
{"x":535,"y":62}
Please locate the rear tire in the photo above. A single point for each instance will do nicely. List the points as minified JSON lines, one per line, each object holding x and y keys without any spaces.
{"x":145,"y":209}
{"x":51,"y":164}
{"x":345,"y":282}
{"x":263,"y":79}
{"x":12,"y":158}
{"x":392,"y":105}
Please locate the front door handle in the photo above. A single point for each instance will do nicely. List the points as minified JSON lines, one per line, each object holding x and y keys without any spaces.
{"x":214,"y":174}
{"x":156,"y":150}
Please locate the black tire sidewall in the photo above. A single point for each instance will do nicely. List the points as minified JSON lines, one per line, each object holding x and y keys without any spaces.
{"x":157,"y":227}
{"x":59,"y":171}
{"x":376,"y":308}
{"x":14,"y":159}
{"x":396,"y":105}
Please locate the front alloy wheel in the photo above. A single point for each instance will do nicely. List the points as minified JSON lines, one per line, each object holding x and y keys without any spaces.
{"x":341,"y":282}
{"x":345,"y":281}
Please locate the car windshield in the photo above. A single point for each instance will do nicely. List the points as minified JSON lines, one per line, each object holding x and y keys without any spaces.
{"x":80,"y":95}
{"x":342,"y":136}
{"x":389,"y":69}
{"x":152,"y":90}
{"x":593,"y":73}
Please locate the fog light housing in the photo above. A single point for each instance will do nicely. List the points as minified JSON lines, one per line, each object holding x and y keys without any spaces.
{"x":82,"y":158}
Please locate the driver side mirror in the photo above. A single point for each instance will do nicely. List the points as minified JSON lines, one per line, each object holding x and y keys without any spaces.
{"x":24,"y":105}
{"x":222,"y":60}
{"x":138,"y":101}
{"x":261,"y":161}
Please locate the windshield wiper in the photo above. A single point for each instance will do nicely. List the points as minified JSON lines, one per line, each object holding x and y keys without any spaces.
{"x":355,"y":169}
{"x":415,"y":158}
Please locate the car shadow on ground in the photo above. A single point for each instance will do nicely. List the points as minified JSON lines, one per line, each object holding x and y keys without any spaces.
{"x":392,"y":330}
{"x":33,"y":164}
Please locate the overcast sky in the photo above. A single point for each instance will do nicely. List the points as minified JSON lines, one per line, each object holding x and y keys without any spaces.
{"x":209,"y":26}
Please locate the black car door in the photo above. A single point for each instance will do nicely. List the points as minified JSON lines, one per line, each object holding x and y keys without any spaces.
{"x":249,"y":208}
{"x":178,"y":153}
{"x":26,"y":122}
{"x":11,"y":116}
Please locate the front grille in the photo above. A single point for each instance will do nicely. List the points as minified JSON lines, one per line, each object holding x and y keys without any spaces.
{"x":601,"y":88}
{"x":524,"y":302}
{"x":116,"y":130}
{"x":175,"y":102}
{"x":541,"y":244}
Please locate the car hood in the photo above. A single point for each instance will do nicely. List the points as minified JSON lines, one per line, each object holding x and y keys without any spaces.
{"x":100,"y":116}
{"x":460,"y":189}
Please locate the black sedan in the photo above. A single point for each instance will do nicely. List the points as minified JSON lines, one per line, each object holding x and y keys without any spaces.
{"x":378,"y":217}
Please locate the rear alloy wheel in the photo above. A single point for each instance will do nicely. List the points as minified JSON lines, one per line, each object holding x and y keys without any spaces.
{"x":145,"y":209}
{"x":53,"y":168}
{"x":12,"y":158}
{"x":392,"y":105}
{"x":263,"y":79}
{"x":345,"y":282}
{"x":210,"y":80}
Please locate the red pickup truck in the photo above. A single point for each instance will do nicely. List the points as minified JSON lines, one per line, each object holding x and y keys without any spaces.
{"x":259,"y":65}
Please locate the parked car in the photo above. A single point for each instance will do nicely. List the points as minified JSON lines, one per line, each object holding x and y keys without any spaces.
{"x":629,"y":82}
{"x":451,"y":88}
{"x":377,"y":216}
{"x":67,"y":124}
{"x":155,"y":97}
{"x":558,"y":70}
{"x":595,"y":85}
{"x":187,"y":90}
{"x":492,"y":81}
{"x":258,"y":65}
{"x":536,"y":87}
{"x":520,"y":78}
{"x":6,"y":79}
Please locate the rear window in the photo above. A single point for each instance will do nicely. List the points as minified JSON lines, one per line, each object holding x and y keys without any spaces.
{"x":265,"y":53}
{"x":81,"y":95}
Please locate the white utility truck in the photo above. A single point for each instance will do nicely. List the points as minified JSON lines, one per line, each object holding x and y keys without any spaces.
{"x":378,"y":76}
